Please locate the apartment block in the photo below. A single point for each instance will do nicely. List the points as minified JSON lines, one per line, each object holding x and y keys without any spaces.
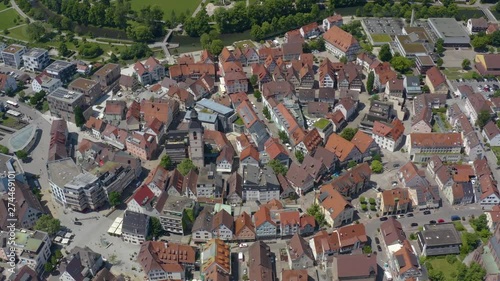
{"x":13,"y":55}
{"x":36,"y":59}
{"x":62,"y":103}
{"x":31,"y":248}
{"x":89,"y":88}
{"x":61,"y":70}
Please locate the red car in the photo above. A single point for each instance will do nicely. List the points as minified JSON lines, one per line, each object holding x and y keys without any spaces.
{"x":440,"y":220}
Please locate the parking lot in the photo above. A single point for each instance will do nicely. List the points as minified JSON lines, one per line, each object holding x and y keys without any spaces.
{"x":486,"y":86}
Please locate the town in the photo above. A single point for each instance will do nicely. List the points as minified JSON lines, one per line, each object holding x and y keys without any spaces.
{"x":307,"y":156}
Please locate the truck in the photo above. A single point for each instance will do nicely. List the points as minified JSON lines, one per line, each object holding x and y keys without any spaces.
{"x":241,"y":257}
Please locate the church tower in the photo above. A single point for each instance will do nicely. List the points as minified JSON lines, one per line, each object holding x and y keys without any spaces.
{"x":196,"y":144}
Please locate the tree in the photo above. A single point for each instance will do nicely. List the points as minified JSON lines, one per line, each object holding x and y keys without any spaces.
{"x":58,"y":254}
{"x":480,"y":223}
{"x":495,"y":37}
{"x":283,"y":136}
{"x":48,"y":224}
{"x":315,"y":211}
{"x":63,"y":49}
{"x":440,"y":46}
{"x":49,"y":267}
{"x":253,"y":80}
{"x":377,"y":157}
{"x":367,"y":250}
{"x":483,"y":118}
{"x":79,"y":118}
{"x":401,"y":64}
{"x":466,"y":64}
{"x":278,"y":167}
{"x":299,"y":155}
{"x":115,"y":198}
{"x":90,"y":50}
{"x":166,"y":162}
{"x":266,"y":113}
{"x":352,"y":164}
{"x":436,"y":275}
{"x":343,"y":59}
{"x":198,"y":25}
{"x":4,"y":149}
{"x":140,"y":33}
{"x":36,"y":31}
{"x":22,"y":154}
{"x":216,"y":47}
{"x":439,"y":62}
{"x":185,"y":166}
{"x":385,"y":53}
{"x":480,"y":42}
{"x":376,"y":167}
{"x":370,"y":82}
{"x":156,"y":228}
{"x":348,"y":133}
{"x":258,"y":95}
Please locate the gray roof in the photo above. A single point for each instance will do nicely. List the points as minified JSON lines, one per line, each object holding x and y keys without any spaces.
{"x":259,"y":133}
{"x":35,"y":53}
{"x":440,"y":234}
{"x":216,"y":107}
{"x":87,"y":257}
{"x":65,"y":95}
{"x":449,"y":30}
{"x":135,"y":223}
{"x":203,"y":117}
{"x":413,"y":81}
{"x":203,"y":221}
{"x":58,"y":65}
{"x":61,"y":172}
{"x":178,"y":204}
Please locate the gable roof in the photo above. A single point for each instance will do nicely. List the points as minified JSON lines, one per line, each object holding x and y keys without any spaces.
{"x":340,"y":146}
{"x":436,"y":77}
{"x":242,"y":222}
{"x":491,"y":130}
{"x":298,"y":247}
{"x":362,"y":141}
{"x":339,"y":38}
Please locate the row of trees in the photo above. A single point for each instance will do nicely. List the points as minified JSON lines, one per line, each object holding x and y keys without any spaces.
{"x":403,"y":9}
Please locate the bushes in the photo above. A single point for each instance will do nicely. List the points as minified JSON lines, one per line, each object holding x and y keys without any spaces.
{"x":90,"y":50}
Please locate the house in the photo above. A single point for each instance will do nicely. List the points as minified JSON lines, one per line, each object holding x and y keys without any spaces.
{"x":335,"y":20}
{"x":260,"y":184}
{"x":350,"y":77}
{"x":244,"y":229}
{"x":488,"y":64}
{"x":436,"y":81}
{"x":347,"y":106}
{"x":80,"y":264}
{"x":183,"y":71}
{"x":289,"y":223}
{"x":31,"y":248}
{"x":491,"y":133}
{"x":310,"y":31}
{"x":493,"y":217}
{"x":354,"y":181}
{"x":355,"y":267}
{"x":201,"y":231}
{"x":341,"y":43}
{"x":135,"y":227}
{"x":460,"y":193}
{"x":383,"y":73}
{"x":448,"y":146}
{"x":28,"y":207}
{"x":334,"y":206}
{"x":160,"y":260}
{"x":405,"y":263}
{"x":475,"y":104}
{"x":13,"y":55}
{"x":149,"y":71}
{"x":489,"y":196}
{"x":388,"y":136}
{"x":307,"y":225}
{"x":128,"y":83}
{"x":395,"y":201}
{"x":294,"y":274}
{"x":265,"y":227}
{"x":439,"y":239}
{"x":367,"y":61}
{"x":182,"y":96}
{"x":44,"y":83}
{"x":234,"y":82}
{"x":477,"y":25}
{"x":95,"y":126}
{"x":343,"y":149}
{"x":108,"y":76}
{"x":292,"y":50}
{"x":394,"y":90}
{"x":276,"y":151}
{"x":223,"y":226}
{"x":260,"y":265}
{"x":365,"y":144}
{"x":426,"y":197}
{"x":161,"y":109}
{"x":411,"y":176}
{"x":299,"y":178}
{"x":7,"y":83}
{"x":142,"y":145}
{"x":215,"y":257}
{"x":412,"y":86}
{"x":235,"y":189}
{"x":300,"y":255}
{"x":249,"y":156}
{"x":392,"y":234}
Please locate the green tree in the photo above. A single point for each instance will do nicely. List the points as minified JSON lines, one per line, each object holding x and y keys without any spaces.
{"x":48,"y":224}
{"x":349,"y":133}
{"x":49,"y":267}
{"x":315,"y":211}
{"x":63,"y":49}
{"x":185,"y":166}
{"x":36,"y":31}
{"x":439,"y":62}
{"x":58,"y":254}
{"x":343,"y":59}
{"x":90,"y":50}
{"x":205,"y":41}
{"x":352,"y":164}
{"x":258,"y":95}
{"x":278,"y":167}
{"x":480,"y":223}
{"x":401,"y":64}
{"x":385,"y":53}
{"x":436,"y":275}
{"x":115,"y":198}
{"x":370,"y":82}
{"x":166,"y":162}
{"x":216,"y":47}
{"x":466,"y":64}
{"x":156,"y":228}
{"x":140,"y":33}
{"x":377,"y":167}
{"x":79,"y":118}
{"x":198,"y":25}
{"x":367,"y":250}
{"x":22,"y":154}
{"x":440,"y":46}
{"x":377,"y":157}
{"x":283,"y":137}
{"x":480,"y":42}
{"x":253,"y":80}
{"x":299,"y":155}
{"x":266,"y":113}
{"x":483,"y":118}
{"x":4,"y":149}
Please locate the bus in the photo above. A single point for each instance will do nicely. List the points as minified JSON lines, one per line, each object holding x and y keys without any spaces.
{"x":13,"y":113}
{"x":14,"y":104}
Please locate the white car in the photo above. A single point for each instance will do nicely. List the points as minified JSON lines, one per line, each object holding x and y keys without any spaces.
{"x":243,"y":245}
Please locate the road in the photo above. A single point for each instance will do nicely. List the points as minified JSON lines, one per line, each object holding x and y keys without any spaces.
{"x":14,"y":5}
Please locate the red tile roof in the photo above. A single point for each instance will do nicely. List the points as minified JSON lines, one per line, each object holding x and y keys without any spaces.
{"x":435,"y":76}
{"x":339,"y":38}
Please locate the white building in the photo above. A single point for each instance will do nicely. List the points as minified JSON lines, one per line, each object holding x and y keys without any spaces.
{"x":36,"y":59}
{"x":13,"y":55}
{"x":491,"y":133}
{"x":45,"y":83}
{"x":135,"y":227}
{"x":341,"y":43}
{"x":388,"y":136}
{"x":32,"y":248}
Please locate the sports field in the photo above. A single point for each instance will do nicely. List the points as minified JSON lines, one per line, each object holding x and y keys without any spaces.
{"x":179,"y":6}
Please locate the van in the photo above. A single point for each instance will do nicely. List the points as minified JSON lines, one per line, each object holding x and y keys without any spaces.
{"x":241,"y":257}
{"x":455,"y":218}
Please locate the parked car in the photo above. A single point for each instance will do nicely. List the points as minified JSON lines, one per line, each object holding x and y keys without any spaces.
{"x":410,"y":215}
{"x":377,"y":240}
{"x":440,"y":220}
{"x":401,"y":216}
{"x":78,"y":223}
{"x":379,"y":248}
{"x":432,"y":222}
{"x":243,"y":245}
{"x":383,"y":218}
{"x":427,"y":212}
{"x":414,"y":224}
{"x":455,"y":218}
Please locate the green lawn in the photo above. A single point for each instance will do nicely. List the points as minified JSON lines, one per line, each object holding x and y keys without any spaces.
{"x":457,"y":73}
{"x":467,"y":13}
{"x":244,"y":43}
{"x":459,"y":226}
{"x":381,"y":38}
{"x":3,"y":6}
{"x":168,"y":6}
{"x":321,"y":123}
{"x":496,"y":150}
{"x":441,"y":264}
{"x":7,"y":19}
{"x":19,"y":33}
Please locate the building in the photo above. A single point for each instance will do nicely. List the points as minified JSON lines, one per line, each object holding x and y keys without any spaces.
{"x":424,"y":63}
{"x":392,"y":234}
{"x":295,"y":275}
{"x":452,"y":33}
{"x":89,"y":88}
{"x":388,"y":136}
{"x":341,"y":43}
{"x":7,"y":83}
{"x":265,"y":227}
{"x":475,"y":104}
{"x":477,"y":25}
{"x":410,"y":46}
{"x":164,"y":261}
{"x":223,"y":226}
{"x":244,"y":229}
{"x":335,"y":20}
{"x":61,"y":70}
{"x":62,"y":103}
{"x":215,"y":256}
{"x":439,"y":239}
{"x":108,"y":76}
{"x":448,"y":146}
{"x":412,"y":86}
{"x":260,"y":266}
{"x":13,"y":55}
{"x":173,"y":215}
{"x":31,"y":248}
{"x":142,"y":145}
{"x":405,"y":264}
{"x":45,"y":83}
{"x":81,"y":263}
{"x":202,"y":226}
{"x":395,"y":201}
{"x":355,"y":267}
{"x":436,"y":81}
{"x":488,"y":64}
{"x":135,"y":227}
{"x":28,"y":207}
{"x":300,"y":255}
{"x":36,"y":59}
{"x":259,"y":184}
{"x":334,"y":206}
{"x":149,"y":71}
{"x":491,"y":133}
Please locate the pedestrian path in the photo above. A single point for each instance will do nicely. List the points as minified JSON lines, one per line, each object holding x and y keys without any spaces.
{"x":6,"y":9}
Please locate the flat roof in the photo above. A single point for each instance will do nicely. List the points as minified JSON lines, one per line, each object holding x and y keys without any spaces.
{"x":440,"y":234}
{"x":65,"y":95}
{"x":216,"y":107}
{"x":35,"y":52}
{"x":14,"y":48}
{"x":20,"y":139}
{"x":82,"y":83}
{"x":58,"y":65}
{"x":449,"y":30}
{"x":62,"y":171}
{"x":387,"y":26}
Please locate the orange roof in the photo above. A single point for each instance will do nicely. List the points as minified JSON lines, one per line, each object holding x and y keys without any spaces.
{"x":463,"y":173}
{"x":435,"y":76}
{"x":436,"y":139}
{"x":244,"y":141}
{"x":339,"y":38}
{"x":335,"y":203}
{"x":393,"y":131}
{"x":290,"y":218}
{"x":273,"y":204}
{"x":158,"y":109}
{"x":312,"y":140}
{"x":261,"y":216}
{"x":243,"y":221}
{"x":390,"y":196}
{"x":274,"y":148}
{"x":340,"y":146}
{"x":362,"y":141}
{"x":249,"y":151}
{"x":291,"y":123}
{"x":307,"y":220}
{"x":350,"y":234}
{"x":495,"y":214}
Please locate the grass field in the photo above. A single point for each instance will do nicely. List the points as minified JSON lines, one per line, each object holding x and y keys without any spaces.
{"x":467,"y":13}
{"x":457,"y":73}
{"x":179,"y":6}
{"x":3,"y":6}
{"x":19,"y":33}
{"x":7,"y":18}
{"x":441,"y":264}
{"x":381,"y":38}
{"x":496,"y":150}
